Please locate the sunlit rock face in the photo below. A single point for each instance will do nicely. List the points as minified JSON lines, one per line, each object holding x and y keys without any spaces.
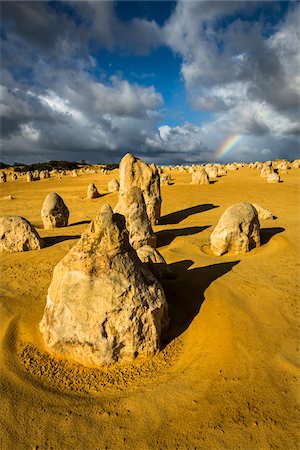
{"x":55,"y":213}
{"x":103,"y":305}
{"x":237,"y":231}
{"x":113,"y":185}
{"x":92,"y":191}
{"x":135,"y":172}
{"x":137,"y":221}
{"x":18,"y":235}
{"x":200,"y":176}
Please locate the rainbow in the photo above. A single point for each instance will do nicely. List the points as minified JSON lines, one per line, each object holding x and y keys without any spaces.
{"x":228,"y":145}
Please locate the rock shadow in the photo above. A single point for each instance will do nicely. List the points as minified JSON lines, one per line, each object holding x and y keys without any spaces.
{"x":185,"y":292}
{"x":165,"y":237}
{"x":267,"y":233}
{"x":52,"y":240}
{"x":83,"y":222}
{"x":178,"y":216}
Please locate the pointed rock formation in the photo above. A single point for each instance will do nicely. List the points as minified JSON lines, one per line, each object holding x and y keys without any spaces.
{"x":55,"y":213}
{"x":92,"y":191}
{"x":237,"y":230}
{"x":135,"y":172}
{"x":103,"y":306}
{"x":137,"y":221}
{"x":18,"y":235}
{"x":113,"y":185}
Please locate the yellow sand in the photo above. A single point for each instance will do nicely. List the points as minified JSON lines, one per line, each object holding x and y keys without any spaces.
{"x":227,"y":379}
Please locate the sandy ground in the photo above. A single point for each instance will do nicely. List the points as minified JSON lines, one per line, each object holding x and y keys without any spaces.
{"x":228,"y":377}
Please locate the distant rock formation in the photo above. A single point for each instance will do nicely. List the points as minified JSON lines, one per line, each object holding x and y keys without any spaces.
{"x":113,"y":185}
{"x":237,"y":231}
{"x":18,"y":235}
{"x":92,"y":191}
{"x":199,"y":176}
{"x":2,"y":177}
{"x":135,"y":172}
{"x":273,"y":178}
{"x":103,"y":305}
{"x":55,"y":213}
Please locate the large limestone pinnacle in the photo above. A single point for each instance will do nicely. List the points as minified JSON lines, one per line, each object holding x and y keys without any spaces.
{"x":103,"y":306}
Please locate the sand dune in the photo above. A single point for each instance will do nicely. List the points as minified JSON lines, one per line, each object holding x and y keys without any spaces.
{"x":228,"y":376}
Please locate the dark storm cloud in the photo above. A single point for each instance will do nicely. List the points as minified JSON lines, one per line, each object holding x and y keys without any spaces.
{"x":53,"y":106}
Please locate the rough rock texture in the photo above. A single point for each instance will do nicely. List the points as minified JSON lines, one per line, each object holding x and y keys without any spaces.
{"x":237,"y":230}
{"x":137,"y":221}
{"x":92,"y":191}
{"x":135,"y":172}
{"x":273,"y":178}
{"x":266,"y":170}
{"x":2,"y":177}
{"x":200,"y":176}
{"x":165,"y":179}
{"x":14,"y":177}
{"x":262,"y":212}
{"x":55,"y":213}
{"x":29,"y":176}
{"x":212,"y":172}
{"x":18,"y":235}
{"x":154,"y":261}
{"x":103,"y":306}
{"x":113,"y":185}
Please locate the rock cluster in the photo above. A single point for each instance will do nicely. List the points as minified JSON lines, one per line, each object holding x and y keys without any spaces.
{"x":18,"y":235}
{"x":103,"y":305}
{"x":55,"y":213}
{"x":237,"y":231}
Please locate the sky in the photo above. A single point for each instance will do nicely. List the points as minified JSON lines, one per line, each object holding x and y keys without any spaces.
{"x":174,"y":82}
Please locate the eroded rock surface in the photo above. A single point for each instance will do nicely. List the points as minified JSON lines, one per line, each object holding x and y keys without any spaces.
{"x":92,"y":191}
{"x":113,"y":185}
{"x":137,"y":221}
{"x":55,"y":213}
{"x":237,"y":230}
{"x":262,"y":212}
{"x":18,"y":235}
{"x":135,"y":172}
{"x":200,"y":176}
{"x":103,"y":306}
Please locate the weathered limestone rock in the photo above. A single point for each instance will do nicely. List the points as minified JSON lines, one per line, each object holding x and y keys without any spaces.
{"x":212,"y":173}
{"x":18,"y":235}
{"x":74,"y":173}
{"x":137,"y":221}
{"x":14,"y":177}
{"x":113,"y":185}
{"x":221,"y":171}
{"x":165,"y":179}
{"x":266,"y":170}
{"x":200,"y":176}
{"x":92,"y":191}
{"x":237,"y":230}
{"x":29,"y":176}
{"x":262,"y":212}
{"x":103,"y":306}
{"x":135,"y":172}
{"x":2,"y":177}
{"x":155,"y":262}
{"x":273,"y":178}
{"x":55,"y":213}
